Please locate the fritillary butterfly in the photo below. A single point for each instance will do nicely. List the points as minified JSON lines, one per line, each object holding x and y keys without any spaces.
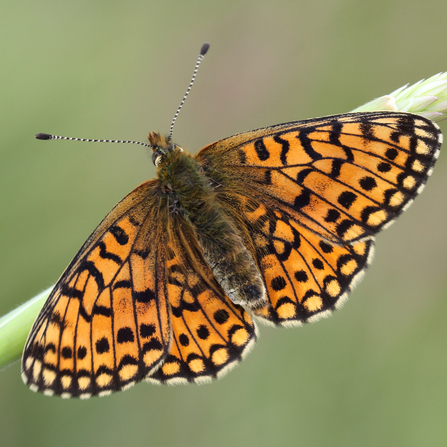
{"x":277,"y":223}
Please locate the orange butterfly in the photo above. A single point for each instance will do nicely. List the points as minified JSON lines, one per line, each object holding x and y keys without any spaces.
{"x":277,"y":222}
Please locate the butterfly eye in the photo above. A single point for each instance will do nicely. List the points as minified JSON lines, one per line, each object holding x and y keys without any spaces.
{"x":156,"y":158}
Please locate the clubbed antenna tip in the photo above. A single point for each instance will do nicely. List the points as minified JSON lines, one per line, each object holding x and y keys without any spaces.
{"x":204,"y":49}
{"x":43,"y":136}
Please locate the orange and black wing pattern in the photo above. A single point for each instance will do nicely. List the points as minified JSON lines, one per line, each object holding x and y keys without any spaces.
{"x":344,"y":177}
{"x":210,"y":334}
{"x":306,"y":277}
{"x":310,"y":196}
{"x":137,"y":302}
{"x":107,"y":322}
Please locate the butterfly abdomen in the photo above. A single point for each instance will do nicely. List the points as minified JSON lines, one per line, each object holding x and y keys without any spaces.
{"x":190,"y":193}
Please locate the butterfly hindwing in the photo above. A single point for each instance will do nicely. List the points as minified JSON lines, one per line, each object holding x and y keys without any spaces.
{"x":210,"y":333}
{"x":344,"y":177}
{"x":306,"y":277}
{"x":106,"y":323}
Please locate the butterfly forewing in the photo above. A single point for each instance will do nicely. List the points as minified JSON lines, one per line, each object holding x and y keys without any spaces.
{"x":106,"y":323}
{"x":344,"y":176}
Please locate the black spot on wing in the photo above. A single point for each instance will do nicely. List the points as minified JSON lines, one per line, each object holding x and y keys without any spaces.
{"x":261,"y":151}
{"x":104,"y":254}
{"x":120,"y":235}
{"x":306,"y":143}
{"x":102,"y":345}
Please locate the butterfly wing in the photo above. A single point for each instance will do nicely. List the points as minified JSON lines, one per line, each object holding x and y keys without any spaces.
{"x":138,"y":300}
{"x":106,"y":323}
{"x":210,"y":333}
{"x":344,"y":177}
{"x":306,"y":277}
{"x":309,"y":196}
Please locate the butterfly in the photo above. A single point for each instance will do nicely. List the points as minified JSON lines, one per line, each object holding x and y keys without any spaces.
{"x":276,"y":223}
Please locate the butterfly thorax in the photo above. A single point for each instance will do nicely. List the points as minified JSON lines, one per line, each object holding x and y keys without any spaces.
{"x":190,"y":194}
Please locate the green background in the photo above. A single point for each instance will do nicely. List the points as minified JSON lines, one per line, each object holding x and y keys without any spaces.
{"x":374,"y":373}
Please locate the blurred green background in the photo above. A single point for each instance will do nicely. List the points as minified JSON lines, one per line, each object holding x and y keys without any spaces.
{"x":374,"y":373}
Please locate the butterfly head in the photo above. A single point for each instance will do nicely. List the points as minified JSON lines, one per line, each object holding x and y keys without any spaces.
{"x":161,"y":146}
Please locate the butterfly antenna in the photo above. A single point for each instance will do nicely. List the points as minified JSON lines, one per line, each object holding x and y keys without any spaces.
{"x":203,"y":51}
{"x":47,"y":136}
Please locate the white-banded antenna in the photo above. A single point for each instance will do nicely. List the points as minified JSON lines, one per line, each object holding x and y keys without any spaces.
{"x":47,"y":136}
{"x":203,"y":51}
